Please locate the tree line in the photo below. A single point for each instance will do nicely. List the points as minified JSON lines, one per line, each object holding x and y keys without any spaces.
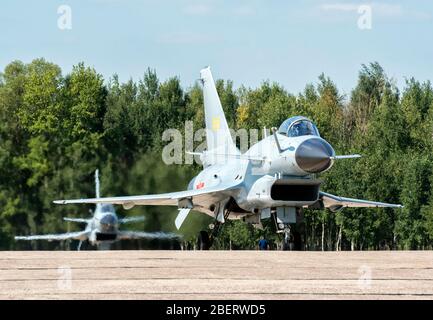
{"x":56,"y":129}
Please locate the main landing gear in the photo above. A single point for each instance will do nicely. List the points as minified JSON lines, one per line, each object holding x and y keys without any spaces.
{"x":205,"y":239}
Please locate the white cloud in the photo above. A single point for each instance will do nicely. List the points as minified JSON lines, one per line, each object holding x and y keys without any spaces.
{"x":380,"y":9}
{"x":421,"y":15}
{"x":197,"y":9}
{"x":184,"y":38}
{"x":244,"y":11}
{"x":390,"y":10}
{"x":339,"y":7}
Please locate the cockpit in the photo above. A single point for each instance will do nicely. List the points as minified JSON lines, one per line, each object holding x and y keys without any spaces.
{"x":298,"y":126}
{"x":107,"y":207}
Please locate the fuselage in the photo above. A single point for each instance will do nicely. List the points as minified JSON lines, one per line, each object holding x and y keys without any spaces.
{"x":272,"y":173}
{"x":104,"y":225}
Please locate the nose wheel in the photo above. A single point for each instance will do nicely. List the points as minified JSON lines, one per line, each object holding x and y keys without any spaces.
{"x":288,"y":243}
{"x":292,"y":238}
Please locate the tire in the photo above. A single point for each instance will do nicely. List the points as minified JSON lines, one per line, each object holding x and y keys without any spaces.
{"x":286,"y":244}
{"x":297,"y":240}
{"x":203,"y":241}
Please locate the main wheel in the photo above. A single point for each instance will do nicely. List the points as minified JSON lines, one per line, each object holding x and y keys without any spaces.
{"x":297,"y":241}
{"x":287,"y":242}
{"x":285,"y":245}
{"x":203,"y":241}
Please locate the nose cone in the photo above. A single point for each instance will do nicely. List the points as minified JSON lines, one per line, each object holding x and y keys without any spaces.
{"x":313,"y":155}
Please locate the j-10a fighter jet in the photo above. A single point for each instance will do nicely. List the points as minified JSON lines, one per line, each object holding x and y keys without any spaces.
{"x":275,"y":178}
{"x":103,"y":228}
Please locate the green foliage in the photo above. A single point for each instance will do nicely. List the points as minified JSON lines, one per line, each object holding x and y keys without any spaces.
{"x":237,"y":235}
{"x":55,"y":130}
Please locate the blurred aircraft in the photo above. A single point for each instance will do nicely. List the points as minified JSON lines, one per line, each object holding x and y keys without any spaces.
{"x":276,"y":178}
{"x":103,"y":228}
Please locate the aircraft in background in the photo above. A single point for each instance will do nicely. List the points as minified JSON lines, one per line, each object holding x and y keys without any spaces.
{"x":103,"y":228}
{"x":275,"y":178}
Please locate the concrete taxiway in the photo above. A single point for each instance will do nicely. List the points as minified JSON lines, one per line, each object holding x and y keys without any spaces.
{"x":216,"y":275}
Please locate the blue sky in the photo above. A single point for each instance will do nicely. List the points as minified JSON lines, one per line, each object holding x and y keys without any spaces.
{"x":245,"y":41}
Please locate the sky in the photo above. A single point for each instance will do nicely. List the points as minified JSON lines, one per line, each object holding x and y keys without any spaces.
{"x":248,"y":42}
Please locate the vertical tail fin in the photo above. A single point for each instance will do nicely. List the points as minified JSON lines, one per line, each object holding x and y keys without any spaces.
{"x":97,"y":185}
{"x":218,"y":135}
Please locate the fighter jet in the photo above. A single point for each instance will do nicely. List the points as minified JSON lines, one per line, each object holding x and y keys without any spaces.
{"x":276,"y":178}
{"x":103,"y":228}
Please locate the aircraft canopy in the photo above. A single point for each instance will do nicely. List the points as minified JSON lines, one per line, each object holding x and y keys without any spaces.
{"x":298,"y":126}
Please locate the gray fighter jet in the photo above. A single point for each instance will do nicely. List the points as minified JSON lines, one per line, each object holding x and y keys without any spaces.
{"x":275,"y":178}
{"x":103,"y":228}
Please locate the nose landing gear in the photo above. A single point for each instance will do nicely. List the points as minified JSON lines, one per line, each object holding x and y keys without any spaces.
{"x":291,"y":227}
{"x":287,"y":240}
{"x":292,"y":239}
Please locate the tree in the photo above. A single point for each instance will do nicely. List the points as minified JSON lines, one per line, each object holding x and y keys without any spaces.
{"x":56,"y":129}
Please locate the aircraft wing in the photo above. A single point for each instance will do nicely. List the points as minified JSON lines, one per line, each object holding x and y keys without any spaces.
{"x":335,"y":202}
{"x":80,"y":235}
{"x":79,"y":220}
{"x":124,"y":235}
{"x":131,"y":219}
{"x":199,"y":197}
